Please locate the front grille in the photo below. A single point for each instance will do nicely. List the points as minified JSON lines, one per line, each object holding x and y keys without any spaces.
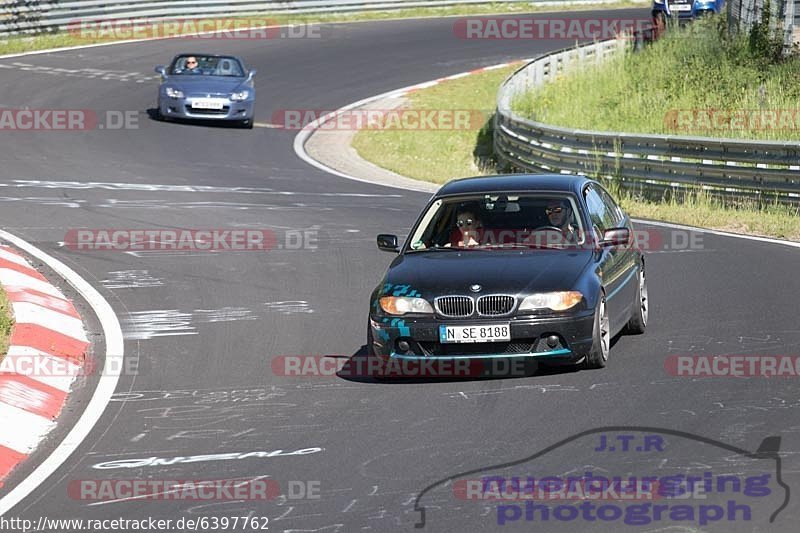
{"x":455,"y":306}
{"x":495,"y":305}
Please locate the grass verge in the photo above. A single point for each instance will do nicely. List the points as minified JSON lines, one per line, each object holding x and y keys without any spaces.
{"x":18,"y":44}
{"x":5,"y":323}
{"x":696,"y":80}
{"x":438,"y":156}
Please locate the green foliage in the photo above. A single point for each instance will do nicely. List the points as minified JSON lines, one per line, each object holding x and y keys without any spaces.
{"x":765,"y":43}
{"x":696,"y":67}
{"x":6,"y":322}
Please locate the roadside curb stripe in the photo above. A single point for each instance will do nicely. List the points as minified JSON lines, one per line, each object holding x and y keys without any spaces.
{"x":11,"y":278}
{"x":23,"y":269}
{"x":31,"y":429}
{"x":30,"y":313}
{"x":8,"y":460}
{"x":23,"y":360}
{"x":45,"y":300}
{"x":47,"y":348}
{"x":9,"y":255}
{"x":32,"y":396}
{"x":432,"y":83}
{"x":48,"y":341}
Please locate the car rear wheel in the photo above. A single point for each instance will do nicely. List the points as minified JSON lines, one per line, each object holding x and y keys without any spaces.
{"x":638,"y":321}
{"x":601,"y":337}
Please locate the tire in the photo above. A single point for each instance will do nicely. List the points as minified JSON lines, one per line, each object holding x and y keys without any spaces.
{"x":247,"y":124}
{"x":638,"y":322}
{"x":601,"y":337}
{"x":370,"y":348}
{"x":370,"y":355}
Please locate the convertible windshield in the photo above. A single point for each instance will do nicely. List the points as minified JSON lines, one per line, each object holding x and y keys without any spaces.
{"x":500,"y":222}
{"x":189,"y":65}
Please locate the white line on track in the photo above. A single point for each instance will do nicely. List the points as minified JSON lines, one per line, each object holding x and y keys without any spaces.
{"x":769,"y":240}
{"x":105,"y":387}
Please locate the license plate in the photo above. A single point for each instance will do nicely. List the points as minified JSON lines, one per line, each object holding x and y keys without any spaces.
{"x":682,"y":7}
{"x":491,"y":333}
{"x":208,"y":103}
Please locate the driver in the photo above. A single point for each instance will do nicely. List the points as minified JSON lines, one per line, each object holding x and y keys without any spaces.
{"x":559,"y":214}
{"x":191,"y":66}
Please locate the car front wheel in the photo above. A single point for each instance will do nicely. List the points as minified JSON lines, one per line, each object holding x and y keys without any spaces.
{"x":601,"y":337}
{"x":641,"y":306}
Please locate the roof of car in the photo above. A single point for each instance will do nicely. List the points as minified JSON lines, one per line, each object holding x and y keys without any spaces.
{"x":515,"y":182}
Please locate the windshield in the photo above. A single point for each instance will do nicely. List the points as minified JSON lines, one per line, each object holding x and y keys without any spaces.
{"x":188,"y":65}
{"x":498,"y":222}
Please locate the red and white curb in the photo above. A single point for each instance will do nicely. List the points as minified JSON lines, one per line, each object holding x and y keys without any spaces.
{"x":48,"y":334}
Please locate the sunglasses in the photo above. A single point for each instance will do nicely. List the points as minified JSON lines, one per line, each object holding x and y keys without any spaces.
{"x":551,"y":210}
{"x":191,"y":62}
{"x":462,"y":223}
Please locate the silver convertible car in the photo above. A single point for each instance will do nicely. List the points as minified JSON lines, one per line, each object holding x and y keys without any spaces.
{"x":206,"y":87}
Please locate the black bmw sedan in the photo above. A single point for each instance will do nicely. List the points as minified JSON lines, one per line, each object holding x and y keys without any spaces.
{"x":540,"y":268}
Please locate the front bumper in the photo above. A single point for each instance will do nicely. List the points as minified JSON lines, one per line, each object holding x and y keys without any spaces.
{"x":528,"y":339}
{"x":181,"y":108}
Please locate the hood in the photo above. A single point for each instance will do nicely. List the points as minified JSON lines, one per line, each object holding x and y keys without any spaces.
{"x":204,"y":84}
{"x":437,"y":273}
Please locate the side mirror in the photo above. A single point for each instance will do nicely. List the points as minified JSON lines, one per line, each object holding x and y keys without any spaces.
{"x":388,"y":243}
{"x":160,"y":70}
{"x":616,"y":237}
{"x":251,"y":74}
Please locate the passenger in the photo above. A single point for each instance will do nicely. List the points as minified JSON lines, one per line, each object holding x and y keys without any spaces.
{"x":467,"y":232}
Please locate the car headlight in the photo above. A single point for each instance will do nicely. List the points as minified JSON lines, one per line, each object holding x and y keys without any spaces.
{"x":240,"y":95}
{"x":659,"y":1}
{"x":400,"y":305}
{"x":557,"y":301}
{"x":174,"y":93}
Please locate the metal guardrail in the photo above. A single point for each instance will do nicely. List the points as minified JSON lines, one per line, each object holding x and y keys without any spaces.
{"x":49,"y":16}
{"x":653,"y":164}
